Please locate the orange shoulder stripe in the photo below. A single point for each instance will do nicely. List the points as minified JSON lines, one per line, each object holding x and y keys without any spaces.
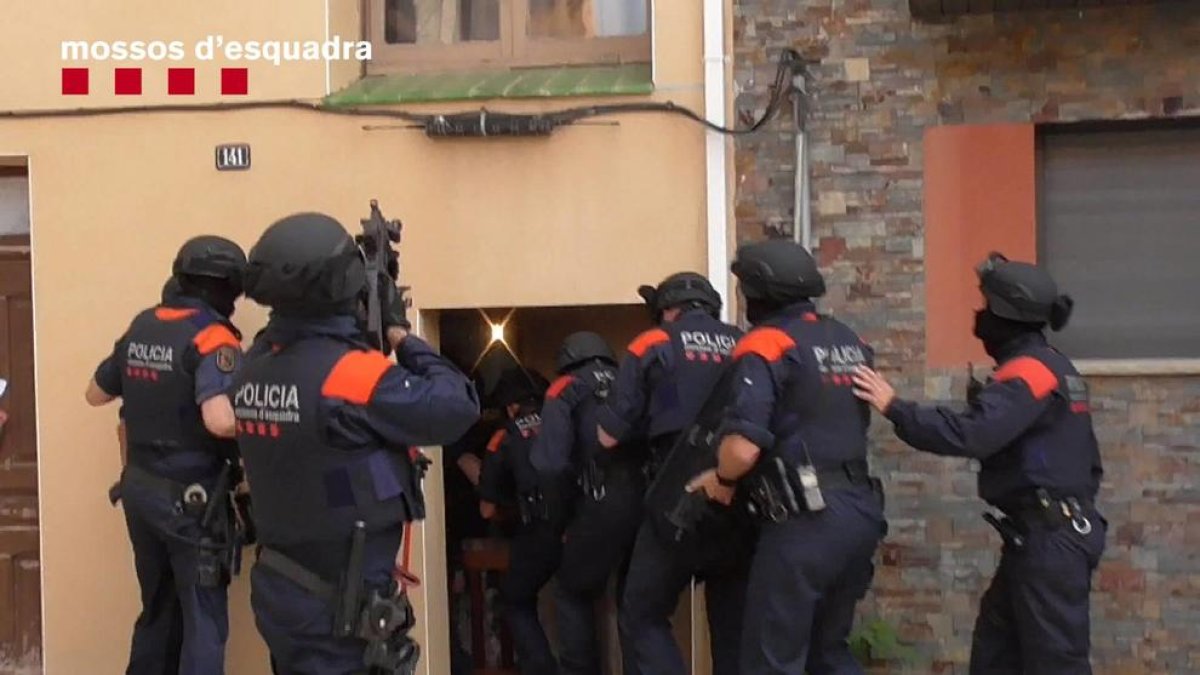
{"x":213,"y":337}
{"x":560,"y":385}
{"x":642,"y":343}
{"x":355,"y":375}
{"x":1040,"y":379}
{"x":769,"y":343}
{"x":496,"y":440}
{"x":173,"y":313}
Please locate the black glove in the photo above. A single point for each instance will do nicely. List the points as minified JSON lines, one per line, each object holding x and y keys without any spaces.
{"x":974,"y":386}
{"x":392,"y":305}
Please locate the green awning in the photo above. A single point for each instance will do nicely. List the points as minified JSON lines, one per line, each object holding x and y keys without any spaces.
{"x":622,"y":80}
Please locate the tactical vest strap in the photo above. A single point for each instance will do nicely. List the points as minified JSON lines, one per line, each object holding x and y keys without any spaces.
{"x":297,"y":573}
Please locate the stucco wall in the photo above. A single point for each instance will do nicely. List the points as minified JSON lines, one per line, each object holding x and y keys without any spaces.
{"x":582,"y":217}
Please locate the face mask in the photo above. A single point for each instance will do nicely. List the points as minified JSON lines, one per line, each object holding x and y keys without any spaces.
{"x":759,"y":310}
{"x":995,"y":332}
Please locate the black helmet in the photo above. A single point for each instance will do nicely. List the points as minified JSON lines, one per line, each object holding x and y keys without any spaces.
{"x":778,"y":270}
{"x":681,"y":288}
{"x":171,"y":290}
{"x":1022,"y":292}
{"x":580,"y":347}
{"x":211,"y":257}
{"x":306,"y":264}
{"x":518,"y":385}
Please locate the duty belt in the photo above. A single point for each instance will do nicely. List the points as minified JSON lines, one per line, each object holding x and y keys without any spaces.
{"x":1042,"y":507}
{"x":780,"y":490}
{"x":191,"y":497}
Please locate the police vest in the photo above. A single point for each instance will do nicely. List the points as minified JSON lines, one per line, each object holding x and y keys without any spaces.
{"x":818,"y":420}
{"x":698,"y":346}
{"x":307,"y":489}
{"x":520,"y":434}
{"x":1059,"y":451}
{"x":164,"y":428}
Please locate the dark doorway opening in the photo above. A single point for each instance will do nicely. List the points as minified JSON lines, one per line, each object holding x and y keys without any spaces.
{"x":485,"y":343}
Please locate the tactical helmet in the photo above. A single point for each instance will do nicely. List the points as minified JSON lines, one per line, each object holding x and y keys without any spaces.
{"x":212,"y":257}
{"x":171,"y":290}
{"x":306,"y":264}
{"x":580,"y":347}
{"x":518,"y":385}
{"x":779,"y":270}
{"x":1023,"y":292}
{"x":678,"y":289}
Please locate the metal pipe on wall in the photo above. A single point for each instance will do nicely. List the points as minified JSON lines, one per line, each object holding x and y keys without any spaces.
{"x":802,"y":204}
{"x":715,"y":150}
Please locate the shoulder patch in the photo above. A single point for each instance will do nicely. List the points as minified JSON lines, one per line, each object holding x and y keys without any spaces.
{"x":642,"y":343}
{"x":1040,"y":379}
{"x":769,"y":343}
{"x":497,"y":440}
{"x":214,"y":337}
{"x":173,"y":313}
{"x":227,"y":358}
{"x":355,"y":376}
{"x":560,"y":385}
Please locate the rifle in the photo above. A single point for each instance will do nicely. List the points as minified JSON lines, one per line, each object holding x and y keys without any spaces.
{"x":376,"y":243}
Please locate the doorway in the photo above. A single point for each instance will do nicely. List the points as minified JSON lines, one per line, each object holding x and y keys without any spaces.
{"x":20,"y":568}
{"x":485,"y":342}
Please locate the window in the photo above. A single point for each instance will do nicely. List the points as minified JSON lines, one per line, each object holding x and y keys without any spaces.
{"x":1119,"y":228}
{"x":420,"y":34}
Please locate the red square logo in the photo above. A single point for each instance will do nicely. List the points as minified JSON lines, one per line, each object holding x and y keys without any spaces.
{"x":235,"y":81}
{"x":128,"y":81}
{"x":74,"y":81}
{"x":181,"y":81}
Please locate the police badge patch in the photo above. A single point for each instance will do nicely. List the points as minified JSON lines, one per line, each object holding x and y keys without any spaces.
{"x":226,"y":359}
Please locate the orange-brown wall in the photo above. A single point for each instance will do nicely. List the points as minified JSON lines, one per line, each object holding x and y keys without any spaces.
{"x":582,"y":217}
{"x":979,"y":198}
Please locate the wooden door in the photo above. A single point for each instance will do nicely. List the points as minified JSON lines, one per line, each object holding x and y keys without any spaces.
{"x":20,"y":569}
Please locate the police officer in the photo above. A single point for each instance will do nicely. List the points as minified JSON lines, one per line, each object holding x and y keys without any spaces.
{"x":535,"y":550}
{"x":172,"y":369}
{"x":326,"y":426}
{"x":607,"y":495}
{"x":794,"y":441}
{"x":1031,"y":428}
{"x":661,"y":385}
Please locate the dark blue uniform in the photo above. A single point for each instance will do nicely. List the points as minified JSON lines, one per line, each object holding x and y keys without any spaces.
{"x":793,"y":399}
{"x":508,"y":478}
{"x":1031,"y":428}
{"x":172,"y":359}
{"x":661,"y":386}
{"x":325,"y":425}
{"x":606,"y":511}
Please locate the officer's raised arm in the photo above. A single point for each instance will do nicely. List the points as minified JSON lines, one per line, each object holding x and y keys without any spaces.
{"x":551,"y":451}
{"x":628,"y":401}
{"x":1004,"y":409}
{"x":424,"y":400}
{"x":105,"y":385}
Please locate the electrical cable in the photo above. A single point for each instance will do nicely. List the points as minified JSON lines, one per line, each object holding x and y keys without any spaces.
{"x":789,"y":63}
